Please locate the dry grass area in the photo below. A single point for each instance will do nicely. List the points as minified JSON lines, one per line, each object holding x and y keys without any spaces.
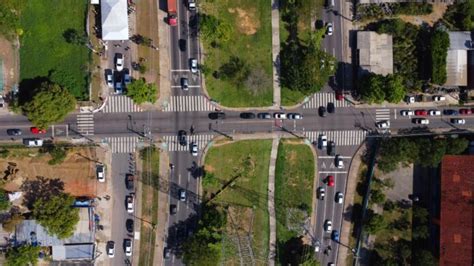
{"x":77,"y":171}
{"x":438,"y":12}
{"x":247,"y":22}
{"x":9,"y":57}
{"x":147,"y":19}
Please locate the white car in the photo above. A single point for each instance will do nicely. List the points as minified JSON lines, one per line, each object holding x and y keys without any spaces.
{"x":321,"y":193}
{"x":323,"y":141}
{"x":339,"y":197}
{"x":128,"y":245}
{"x":422,"y":121}
{"x":295,"y":116}
{"x":100,"y":169}
{"x":194,"y":149}
{"x":329,"y":29}
{"x":328,"y":226}
{"x":192,"y":4}
{"x":110,"y":79}
{"x":339,"y":162}
{"x":193,"y":65}
{"x":439,"y":98}
{"x":410,"y":99}
{"x":119,"y":62}
{"x":434,"y":112}
{"x":458,"y":121}
{"x":182,"y":195}
{"x":279,"y":115}
{"x":110,"y":249}
{"x":130,"y":200}
{"x":407,"y":112}
{"x":383,"y":124}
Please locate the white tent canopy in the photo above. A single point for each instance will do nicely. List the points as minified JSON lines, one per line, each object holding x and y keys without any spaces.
{"x":114,"y":20}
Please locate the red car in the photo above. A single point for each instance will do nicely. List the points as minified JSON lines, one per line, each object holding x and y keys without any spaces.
{"x":421,"y":112}
{"x":339,"y":96}
{"x":330,"y":180}
{"x":36,"y":130}
{"x":465,"y":111}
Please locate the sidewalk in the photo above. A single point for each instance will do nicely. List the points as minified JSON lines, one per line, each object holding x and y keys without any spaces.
{"x":165,"y":66}
{"x":276,"y":52}
{"x":349,"y":203}
{"x":271,"y":202}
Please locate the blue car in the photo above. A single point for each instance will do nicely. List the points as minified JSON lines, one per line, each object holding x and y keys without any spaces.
{"x":335,"y":235}
{"x":450,"y":112}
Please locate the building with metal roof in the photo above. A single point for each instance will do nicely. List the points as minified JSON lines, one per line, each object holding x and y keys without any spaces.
{"x":375,"y":52}
{"x":460,"y":42}
{"x":80,"y":246}
{"x":457,"y":210}
{"x":114,"y":20}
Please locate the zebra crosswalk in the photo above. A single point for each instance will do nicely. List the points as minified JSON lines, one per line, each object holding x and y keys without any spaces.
{"x":382,"y":114}
{"x":173,"y":143}
{"x":189,"y":103}
{"x":341,"y":138}
{"x":85,"y":124}
{"x":322,"y":99}
{"x":122,"y":144}
{"x":120,"y":104}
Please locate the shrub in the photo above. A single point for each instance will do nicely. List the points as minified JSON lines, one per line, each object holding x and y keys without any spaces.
{"x":439,"y":52}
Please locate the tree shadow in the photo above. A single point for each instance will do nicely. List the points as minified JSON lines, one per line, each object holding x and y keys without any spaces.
{"x":29,"y":87}
{"x":179,"y":232}
{"x":294,"y":251}
{"x":40,"y":188}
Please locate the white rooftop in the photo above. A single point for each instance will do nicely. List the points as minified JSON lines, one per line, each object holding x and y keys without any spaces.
{"x":114,"y":20}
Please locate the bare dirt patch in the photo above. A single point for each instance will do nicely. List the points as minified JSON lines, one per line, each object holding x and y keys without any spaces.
{"x":438,"y":12}
{"x":246,"y":21}
{"x":9,"y":56}
{"x":77,"y":171}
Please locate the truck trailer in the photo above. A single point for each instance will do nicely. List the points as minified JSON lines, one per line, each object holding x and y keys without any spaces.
{"x":172,"y":13}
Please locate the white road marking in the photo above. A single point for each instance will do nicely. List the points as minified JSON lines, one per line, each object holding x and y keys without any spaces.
{"x":190,"y":86}
{"x":179,"y":70}
{"x":332,"y":157}
{"x":332,"y":172}
{"x":395,"y":113}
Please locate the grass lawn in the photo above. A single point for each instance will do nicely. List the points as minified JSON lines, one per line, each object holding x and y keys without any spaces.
{"x":150,"y":179}
{"x":44,"y":51}
{"x":294,"y":176}
{"x":308,"y":12}
{"x":250,"y":40}
{"x":247,"y":195}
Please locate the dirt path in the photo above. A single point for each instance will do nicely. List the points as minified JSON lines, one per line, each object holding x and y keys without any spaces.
{"x":438,"y":12}
{"x":10,"y":57}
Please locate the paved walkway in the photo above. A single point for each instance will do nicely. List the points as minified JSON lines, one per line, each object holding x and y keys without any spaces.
{"x":276,"y":52}
{"x":271,"y":202}
{"x":165,"y":66}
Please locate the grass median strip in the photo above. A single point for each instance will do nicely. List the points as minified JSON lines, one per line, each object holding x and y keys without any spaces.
{"x":237,"y":180}
{"x":294,"y":176}
{"x":149,"y":215}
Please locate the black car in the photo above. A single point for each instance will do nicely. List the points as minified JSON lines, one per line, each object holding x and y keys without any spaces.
{"x":129,"y":225}
{"x":216,"y":115}
{"x":264,"y":116}
{"x":331,"y":108}
{"x":182,"y":45}
{"x":247,"y":115}
{"x":173,"y":209}
{"x":181,"y":233}
{"x":322,"y":111}
{"x":182,"y":138}
{"x":450,"y":112}
{"x":167,"y":253}
{"x":331,"y":148}
{"x":13,"y":132}
{"x":129,"y":181}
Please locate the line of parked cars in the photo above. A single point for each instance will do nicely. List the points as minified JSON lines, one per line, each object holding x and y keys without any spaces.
{"x":435,"y":112}
{"x":119,"y":78}
{"x":250,"y":115}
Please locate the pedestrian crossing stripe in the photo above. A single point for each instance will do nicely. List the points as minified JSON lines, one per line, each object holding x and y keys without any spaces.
{"x":189,"y":103}
{"x":200,"y":140}
{"x":85,"y":124}
{"x":382,"y":114}
{"x":122,"y":144}
{"x":120,"y":104}
{"x":341,"y":138}
{"x":322,"y":99}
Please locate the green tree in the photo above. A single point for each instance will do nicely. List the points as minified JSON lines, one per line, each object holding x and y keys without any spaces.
{"x":424,"y":257}
{"x":374,"y":223}
{"x":72,"y":36}
{"x":4,"y":202}
{"x":214,"y":29}
{"x":377,"y":196}
{"x":141,"y":92}
{"x":23,"y":255}
{"x":372,"y":88}
{"x":394,"y":88}
{"x":49,"y":105}
{"x":10,"y":224}
{"x":10,"y":11}
{"x":57,"y":214}
{"x":234,"y":70}
{"x":58,"y":154}
{"x":439,"y":52}
{"x":456,"y":146}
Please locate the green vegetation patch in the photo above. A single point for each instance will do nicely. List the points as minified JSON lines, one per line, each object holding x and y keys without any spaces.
{"x":460,"y":16}
{"x":294,"y":176}
{"x":44,"y":51}
{"x":237,"y":51}
{"x":371,"y":11}
{"x":149,"y":219}
{"x":236,"y":178}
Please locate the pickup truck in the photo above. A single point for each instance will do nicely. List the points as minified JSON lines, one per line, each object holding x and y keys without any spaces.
{"x":33,"y":142}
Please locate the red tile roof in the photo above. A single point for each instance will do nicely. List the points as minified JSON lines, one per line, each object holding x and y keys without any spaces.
{"x":457,"y":204}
